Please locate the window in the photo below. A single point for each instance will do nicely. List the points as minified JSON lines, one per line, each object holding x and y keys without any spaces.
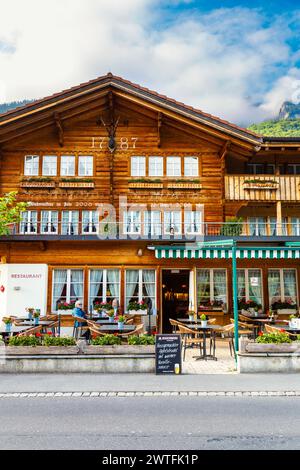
{"x":138,"y":166}
{"x":49,"y":165}
{"x":172,"y":222}
{"x":173,"y":166}
{"x":152,"y":223}
{"x":104,"y":285}
{"x":192,"y":221}
{"x":273,"y":226}
{"x":249,"y":283}
{"x":282,"y":286}
{"x":67,"y":165}
{"x":293,"y":169}
{"x":211,"y":288}
{"x":295,"y":226}
{"x":29,"y":222}
{"x":140,"y":285}
{"x":49,"y":223}
{"x":257,"y":226}
{"x":191,"y":167}
{"x":69,"y":222}
{"x":132,"y":222}
{"x":156,"y":166}
{"x":85,"y":166}
{"x":67,"y":286}
{"x":90,"y":222}
{"x":32,"y":163}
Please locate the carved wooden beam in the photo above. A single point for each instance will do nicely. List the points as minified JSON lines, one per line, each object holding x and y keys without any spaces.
{"x":159,"y":126}
{"x":59,"y":128}
{"x":224,"y":149}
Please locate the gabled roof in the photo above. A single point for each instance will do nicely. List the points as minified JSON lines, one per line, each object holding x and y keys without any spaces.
{"x":119,"y":83}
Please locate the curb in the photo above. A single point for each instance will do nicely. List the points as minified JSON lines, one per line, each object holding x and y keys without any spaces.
{"x":149,"y":394}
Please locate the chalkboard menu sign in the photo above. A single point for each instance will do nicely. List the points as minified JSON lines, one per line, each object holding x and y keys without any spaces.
{"x":168,"y":354}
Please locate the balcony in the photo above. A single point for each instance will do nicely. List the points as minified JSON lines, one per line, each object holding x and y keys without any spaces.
{"x":239,"y":230}
{"x":262,"y":188}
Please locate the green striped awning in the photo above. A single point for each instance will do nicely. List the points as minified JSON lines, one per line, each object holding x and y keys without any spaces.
{"x":183,"y":252}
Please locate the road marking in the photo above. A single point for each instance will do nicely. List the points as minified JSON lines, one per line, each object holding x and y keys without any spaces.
{"x":252,"y":393}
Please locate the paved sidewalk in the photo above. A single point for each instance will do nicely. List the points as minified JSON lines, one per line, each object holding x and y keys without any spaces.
{"x":33,"y":383}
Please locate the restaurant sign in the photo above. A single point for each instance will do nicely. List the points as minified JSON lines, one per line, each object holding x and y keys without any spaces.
{"x":168,"y":354}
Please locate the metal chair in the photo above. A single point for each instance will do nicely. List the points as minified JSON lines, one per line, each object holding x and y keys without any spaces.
{"x":190,"y":338}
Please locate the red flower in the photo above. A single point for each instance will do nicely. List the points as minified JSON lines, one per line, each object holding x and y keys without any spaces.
{"x":282,"y":330}
{"x":49,"y":333}
{"x":38,"y":335}
{"x":260,"y":333}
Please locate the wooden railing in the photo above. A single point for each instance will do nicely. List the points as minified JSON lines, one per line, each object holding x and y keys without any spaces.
{"x":262,"y":188}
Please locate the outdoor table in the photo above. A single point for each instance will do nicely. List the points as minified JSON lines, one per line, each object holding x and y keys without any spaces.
{"x":31,"y":323}
{"x":204,"y":329}
{"x":13,"y":331}
{"x":290,"y":329}
{"x":187,"y":320}
{"x":260,"y":321}
{"x":111,"y":328}
{"x":105,"y":321}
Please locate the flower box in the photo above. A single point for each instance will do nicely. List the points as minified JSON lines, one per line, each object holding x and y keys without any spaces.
{"x":76,"y":185}
{"x":138,"y":312}
{"x":41,"y":350}
{"x":261,"y":185}
{"x":67,"y":311}
{"x":184,"y":186}
{"x":38,"y":184}
{"x":251,"y":347}
{"x":286,"y":311}
{"x":145,"y":185}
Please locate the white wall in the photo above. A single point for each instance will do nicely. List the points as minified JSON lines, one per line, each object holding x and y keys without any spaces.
{"x":25,"y":285}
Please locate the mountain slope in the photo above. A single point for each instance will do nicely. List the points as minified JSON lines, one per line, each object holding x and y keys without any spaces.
{"x":278,"y":128}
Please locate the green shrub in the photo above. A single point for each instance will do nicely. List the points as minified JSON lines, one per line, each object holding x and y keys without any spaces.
{"x":141,"y":340}
{"x":24,"y":341}
{"x":232,"y":227}
{"x":106,"y":340}
{"x":63,"y":341}
{"x":276,"y":338}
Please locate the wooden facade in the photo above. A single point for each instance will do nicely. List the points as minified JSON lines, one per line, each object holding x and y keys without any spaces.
{"x":112,"y":120}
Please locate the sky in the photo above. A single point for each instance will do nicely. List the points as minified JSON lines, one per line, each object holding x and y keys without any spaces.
{"x":239,"y":60}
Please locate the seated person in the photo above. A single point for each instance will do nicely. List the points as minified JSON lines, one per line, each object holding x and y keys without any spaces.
{"x":78,"y":312}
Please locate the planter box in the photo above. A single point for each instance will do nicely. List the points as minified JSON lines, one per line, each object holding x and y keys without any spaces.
{"x":262,"y":185}
{"x":38,"y":184}
{"x":272,"y":348}
{"x":40,"y":350}
{"x":118,"y":349}
{"x":184,"y":186}
{"x":145,"y":185}
{"x":74,"y":185}
{"x":137,"y":312}
{"x":287,"y":311}
{"x":65,"y":312}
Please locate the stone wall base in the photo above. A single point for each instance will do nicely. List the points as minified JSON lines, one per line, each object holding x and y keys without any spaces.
{"x":268,"y":362}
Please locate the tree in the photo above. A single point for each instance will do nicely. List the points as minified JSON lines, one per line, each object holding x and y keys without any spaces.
{"x":10,"y":211}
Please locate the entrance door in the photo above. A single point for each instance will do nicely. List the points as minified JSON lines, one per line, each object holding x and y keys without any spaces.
{"x":175,"y":296}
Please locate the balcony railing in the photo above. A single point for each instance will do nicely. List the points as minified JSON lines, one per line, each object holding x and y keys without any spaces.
{"x":262,"y":188}
{"x":120,"y":231}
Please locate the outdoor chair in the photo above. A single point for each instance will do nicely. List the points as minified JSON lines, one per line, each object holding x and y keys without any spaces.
{"x":94,"y":332}
{"x":273,"y":329}
{"x":245,"y":328}
{"x":139,"y":330}
{"x":226,"y":335}
{"x":80,"y":325}
{"x":175,"y":324}
{"x":31,"y":331}
{"x":190,"y":338}
{"x":211,"y":321}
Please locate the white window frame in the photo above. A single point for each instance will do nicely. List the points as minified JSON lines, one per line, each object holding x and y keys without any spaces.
{"x":191,"y":166}
{"x":167,"y":227}
{"x":68,"y":159}
{"x":49,"y":223}
{"x":173,"y":166}
{"x":70,"y":222}
{"x":211,"y":283}
{"x":104,"y":283}
{"x":152,"y":223}
{"x":246,"y":270}
{"x":32,"y":169}
{"x":140,"y":285}
{"x":295,"y":226}
{"x":29,"y":223}
{"x":88,"y":163}
{"x":281,"y":277}
{"x":91,"y":223}
{"x":156,"y":166}
{"x":193,"y":222}
{"x":138,"y":166}
{"x":52,"y":165}
{"x":132,"y":223}
{"x":68,"y":282}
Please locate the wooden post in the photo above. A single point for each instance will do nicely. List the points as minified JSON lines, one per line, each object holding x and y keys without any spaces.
{"x":279,"y":218}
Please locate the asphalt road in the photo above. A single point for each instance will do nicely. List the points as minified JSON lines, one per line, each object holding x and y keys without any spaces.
{"x":150,"y":423}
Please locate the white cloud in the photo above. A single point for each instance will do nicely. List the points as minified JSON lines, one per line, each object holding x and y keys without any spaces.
{"x":222,"y":62}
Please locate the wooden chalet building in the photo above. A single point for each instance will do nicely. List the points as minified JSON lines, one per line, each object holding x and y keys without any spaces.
{"x":124,"y":184}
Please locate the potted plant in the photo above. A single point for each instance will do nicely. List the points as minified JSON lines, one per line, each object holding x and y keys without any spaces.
{"x":111,"y":315}
{"x":36,"y":316}
{"x":203,"y":319}
{"x":65,"y":307}
{"x":30,"y":311}
{"x":8,"y":323}
{"x":191,"y":315}
{"x":138,"y":308}
{"x":121,"y":320}
{"x":285,"y":308}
